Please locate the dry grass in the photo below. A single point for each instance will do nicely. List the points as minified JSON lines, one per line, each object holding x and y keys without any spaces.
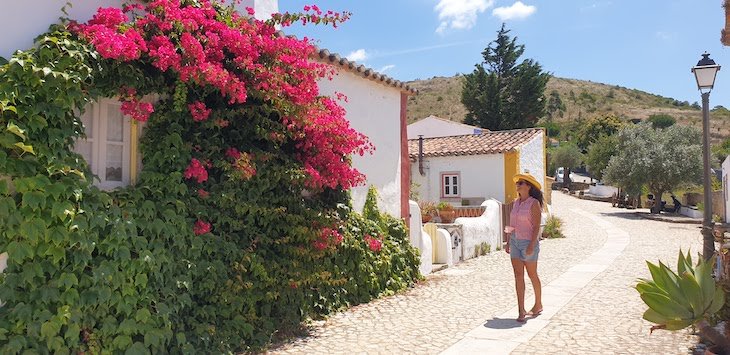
{"x":441,"y":96}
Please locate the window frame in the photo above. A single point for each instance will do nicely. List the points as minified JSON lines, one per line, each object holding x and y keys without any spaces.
{"x":100,"y":143}
{"x":443,"y":184}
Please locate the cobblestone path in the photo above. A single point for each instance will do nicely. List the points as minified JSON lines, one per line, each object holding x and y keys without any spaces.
{"x":450,"y":311}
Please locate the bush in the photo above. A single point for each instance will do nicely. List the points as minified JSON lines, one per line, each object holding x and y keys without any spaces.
{"x":553,"y":228}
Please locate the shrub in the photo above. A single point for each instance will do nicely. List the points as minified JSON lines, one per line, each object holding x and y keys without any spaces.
{"x":553,"y":228}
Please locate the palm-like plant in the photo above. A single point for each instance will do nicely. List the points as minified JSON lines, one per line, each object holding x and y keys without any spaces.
{"x":688,"y":297}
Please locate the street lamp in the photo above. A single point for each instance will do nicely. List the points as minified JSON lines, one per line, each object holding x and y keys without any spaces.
{"x":705,"y":72}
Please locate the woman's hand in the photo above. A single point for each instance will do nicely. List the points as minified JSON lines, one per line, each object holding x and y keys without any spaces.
{"x":530,"y":249}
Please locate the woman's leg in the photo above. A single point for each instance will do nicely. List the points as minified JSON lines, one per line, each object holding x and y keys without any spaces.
{"x":518,"y":266}
{"x":531,"y":267}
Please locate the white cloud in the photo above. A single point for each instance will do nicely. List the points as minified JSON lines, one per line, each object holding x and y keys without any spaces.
{"x":358,"y":55}
{"x":663,"y":35}
{"x":517,"y":11}
{"x":386,"y":68}
{"x":460,"y":14}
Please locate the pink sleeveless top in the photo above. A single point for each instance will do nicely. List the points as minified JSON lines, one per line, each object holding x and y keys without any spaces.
{"x":520,"y":218}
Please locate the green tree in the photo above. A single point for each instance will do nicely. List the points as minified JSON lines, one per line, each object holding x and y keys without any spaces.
{"x":554,"y":105}
{"x":660,"y":159}
{"x":568,"y":156}
{"x":661,"y":120}
{"x":501,"y":93}
{"x":599,"y":154}
{"x":596,"y":127}
{"x":720,"y":152}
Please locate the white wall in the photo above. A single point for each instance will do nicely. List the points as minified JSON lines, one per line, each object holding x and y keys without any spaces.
{"x":23,"y":20}
{"x":262,"y":8}
{"x":481,"y":176}
{"x":431,"y":127}
{"x":726,"y":187}
{"x":532,"y":158}
{"x":486,"y":228}
{"x":374,"y":110}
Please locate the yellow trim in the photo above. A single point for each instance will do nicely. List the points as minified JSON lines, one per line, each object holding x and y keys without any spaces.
{"x":511,"y":168}
{"x":133,"y":149}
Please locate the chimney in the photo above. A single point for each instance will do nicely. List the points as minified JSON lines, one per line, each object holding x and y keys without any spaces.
{"x":262,"y":8}
{"x":420,"y":154}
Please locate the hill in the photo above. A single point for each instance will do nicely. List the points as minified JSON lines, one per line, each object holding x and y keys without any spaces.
{"x":441,"y":96}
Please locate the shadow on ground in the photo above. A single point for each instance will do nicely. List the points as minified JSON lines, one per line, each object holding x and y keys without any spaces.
{"x":503,"y":323}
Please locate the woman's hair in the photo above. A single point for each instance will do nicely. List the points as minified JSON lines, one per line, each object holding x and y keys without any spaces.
{"x":535,"y":193}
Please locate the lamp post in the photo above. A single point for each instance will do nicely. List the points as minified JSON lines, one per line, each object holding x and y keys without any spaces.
{"x":705,"y":72}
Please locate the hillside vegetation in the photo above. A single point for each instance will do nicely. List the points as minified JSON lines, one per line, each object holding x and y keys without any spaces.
{"x":441,"y":96}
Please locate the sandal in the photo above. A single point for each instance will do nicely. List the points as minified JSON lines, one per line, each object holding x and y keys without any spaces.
{"x":521,"y":318}
{"x":534,"y":313}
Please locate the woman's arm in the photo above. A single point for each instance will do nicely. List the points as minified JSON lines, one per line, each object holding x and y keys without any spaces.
{"x":535,"y":218}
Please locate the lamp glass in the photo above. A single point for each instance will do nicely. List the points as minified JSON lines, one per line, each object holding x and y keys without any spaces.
{"x":706,"y":76}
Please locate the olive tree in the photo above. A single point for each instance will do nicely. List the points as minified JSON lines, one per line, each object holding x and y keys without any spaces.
{"x":568,"y":156}
{"x":661,"y":159}
{"x":599,"y":154}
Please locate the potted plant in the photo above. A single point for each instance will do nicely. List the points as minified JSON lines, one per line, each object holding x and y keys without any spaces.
{"x":446,"y":212}
{"x":688,"y":297}
{"x":428,"y":210}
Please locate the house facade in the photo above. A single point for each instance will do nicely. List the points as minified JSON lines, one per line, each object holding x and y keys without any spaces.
{"x":469,"y":169}
{"x":433,"y":126}
{"x":376,"y":107}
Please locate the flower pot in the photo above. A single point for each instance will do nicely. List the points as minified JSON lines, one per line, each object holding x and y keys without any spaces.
{"x":447,"y":216}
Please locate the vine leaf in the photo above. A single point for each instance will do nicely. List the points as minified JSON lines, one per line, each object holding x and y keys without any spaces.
{"x":26,"y":148}
{"x":14,"y":129}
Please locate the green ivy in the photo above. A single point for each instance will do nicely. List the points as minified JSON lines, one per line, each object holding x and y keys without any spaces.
{"x":122,"y":271}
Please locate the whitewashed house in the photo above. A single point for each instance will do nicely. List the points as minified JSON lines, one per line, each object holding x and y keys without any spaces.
{"x":376,"y":106}
{"x":433,"y":126}
{"x":469,"y":169}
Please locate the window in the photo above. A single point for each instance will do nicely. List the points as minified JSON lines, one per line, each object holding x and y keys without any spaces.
{"x":107,"y":146}
{"x":450,"y":185}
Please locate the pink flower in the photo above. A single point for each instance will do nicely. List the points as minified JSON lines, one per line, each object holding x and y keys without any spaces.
{"x":199,"y":111}
{"x":196,"y":170}
{"x":139,"y":111}
{"x":233,"y":153}
{"x":375,"y":244}
{"x":203,"y":194}
{"x":327,"y":237}
{"x":201,"y":227}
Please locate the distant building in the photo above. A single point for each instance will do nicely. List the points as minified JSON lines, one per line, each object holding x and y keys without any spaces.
{"x":469,"y":169}
{"x":433,"y":126}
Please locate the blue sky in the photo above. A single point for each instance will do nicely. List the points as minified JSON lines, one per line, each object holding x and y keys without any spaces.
{"x":648,"y":45}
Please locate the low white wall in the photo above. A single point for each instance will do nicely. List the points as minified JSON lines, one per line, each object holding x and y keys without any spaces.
{"x":444,"y":253}
{"x":486,"y":228}
{"x":419,"y":239}
{"x":602,"y":190}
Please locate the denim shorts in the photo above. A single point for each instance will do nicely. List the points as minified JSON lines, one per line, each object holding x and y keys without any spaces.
{"x":518,"y":249}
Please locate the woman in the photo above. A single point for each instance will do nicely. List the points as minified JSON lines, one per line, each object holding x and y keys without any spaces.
{"x":524,"y":242}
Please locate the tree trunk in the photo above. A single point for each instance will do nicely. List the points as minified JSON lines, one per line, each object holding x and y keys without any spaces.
{"x":657,"y":208}
{"x":714,"y":336}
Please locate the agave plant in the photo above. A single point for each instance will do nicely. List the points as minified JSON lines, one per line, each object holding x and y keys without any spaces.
{"x":688,"y":297}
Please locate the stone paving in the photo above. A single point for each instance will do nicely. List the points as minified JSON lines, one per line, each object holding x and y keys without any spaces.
{"x":603,"y":316}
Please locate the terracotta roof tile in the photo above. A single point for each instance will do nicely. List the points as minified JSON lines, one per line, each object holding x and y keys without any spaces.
{"x":369,"y":73}
{"x":324,"y":55}
{"x":492,"y":142}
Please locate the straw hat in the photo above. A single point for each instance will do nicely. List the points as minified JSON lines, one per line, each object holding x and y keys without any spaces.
{"x":529,"y":178}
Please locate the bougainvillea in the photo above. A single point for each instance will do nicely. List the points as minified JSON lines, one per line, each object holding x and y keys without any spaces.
{"x":194,"y":43}
{"x":196,"y":171}
{"x":375,"y":244}
{"x":201,"y":227}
